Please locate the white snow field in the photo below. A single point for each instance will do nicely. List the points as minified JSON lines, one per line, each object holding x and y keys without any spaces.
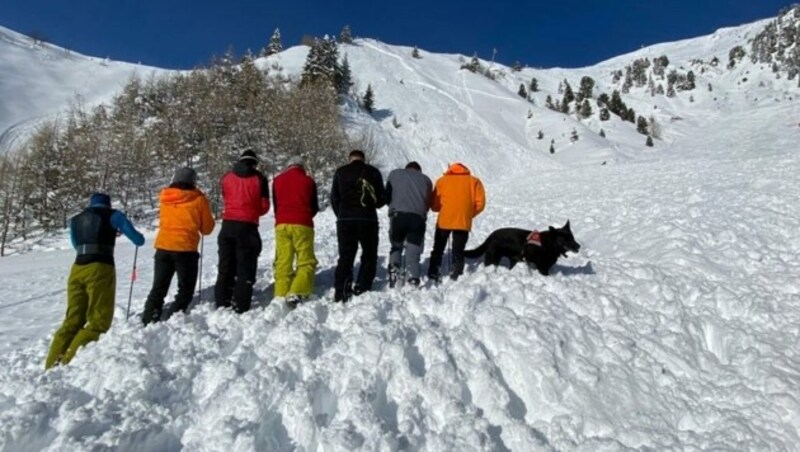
{"x":675,"y":328}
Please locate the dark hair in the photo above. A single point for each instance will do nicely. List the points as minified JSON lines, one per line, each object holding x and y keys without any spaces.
{"x":414,"y":166}
{"x":357,"y":153}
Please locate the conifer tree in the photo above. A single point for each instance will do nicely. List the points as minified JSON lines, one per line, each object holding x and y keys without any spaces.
{"x":573,"y":137}
{"x":522,"y":92}
{"x":586,"y":109}
{"x":346,"y":36}
{"x":602,"y":133}
{"x":569,"y":96}
{"x":516,"y":67}
{"x":415,"y":53}
{"x":649,"y":141}
{"x":369,"y":100}
{"x":641,"y":125}
{"x":274,"y":46}
{"x":552,"y":146}
{"x":534,"y":85}
{"x":474,"y":64}
{"x":586,"y":90}
{"x":605,"y":115}
{"x":343,"y":78}
{"x":540,"y":135}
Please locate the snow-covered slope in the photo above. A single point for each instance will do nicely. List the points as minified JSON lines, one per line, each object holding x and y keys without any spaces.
{"x":38,"y":80}
{"x":675,"y":328}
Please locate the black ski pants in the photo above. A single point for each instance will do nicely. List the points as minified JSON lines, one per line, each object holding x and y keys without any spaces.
{"x":350,"y":234}
{"x":439,"y":243}
{"x":167,"y":264}
{"x":239,"y":245}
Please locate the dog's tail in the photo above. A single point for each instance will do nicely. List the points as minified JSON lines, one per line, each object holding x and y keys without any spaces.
{"x":475,"y":253}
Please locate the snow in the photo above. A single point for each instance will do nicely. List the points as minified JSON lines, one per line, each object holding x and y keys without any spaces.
{"x":39,"y":79}
{"x":675,"y":328}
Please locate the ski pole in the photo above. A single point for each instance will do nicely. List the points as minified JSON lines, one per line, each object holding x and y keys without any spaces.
{"x":200,"y":276}
{"x":133,"y":278}
{"x":449,"y":253}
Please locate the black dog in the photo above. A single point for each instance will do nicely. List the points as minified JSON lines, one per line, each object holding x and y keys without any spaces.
{"x":540,"y":249}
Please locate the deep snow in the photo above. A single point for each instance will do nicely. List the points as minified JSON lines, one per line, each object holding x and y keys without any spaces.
{"x":675,"y":328}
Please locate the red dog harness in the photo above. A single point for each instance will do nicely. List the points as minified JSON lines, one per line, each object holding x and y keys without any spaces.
{"x":534,"y":238}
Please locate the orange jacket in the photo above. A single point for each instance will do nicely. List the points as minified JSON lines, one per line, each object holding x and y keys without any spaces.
{"x":458,"y":197}
{"x":184,"y":215}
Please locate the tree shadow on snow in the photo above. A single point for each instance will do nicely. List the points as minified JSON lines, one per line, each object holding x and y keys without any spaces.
{"x":382,"y":114}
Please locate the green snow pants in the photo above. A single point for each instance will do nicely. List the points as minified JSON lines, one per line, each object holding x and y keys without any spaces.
{"x":90,"y":310}
{"x":294,"y":241}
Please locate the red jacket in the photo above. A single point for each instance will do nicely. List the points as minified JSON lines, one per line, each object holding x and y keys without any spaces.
{"x":294,"y":195}
{"x":245,"y":194}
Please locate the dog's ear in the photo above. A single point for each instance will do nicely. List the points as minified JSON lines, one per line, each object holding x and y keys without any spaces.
{"x":566,"y":226}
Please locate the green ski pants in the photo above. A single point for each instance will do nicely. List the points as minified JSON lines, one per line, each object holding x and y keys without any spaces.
{"x":90,"y":310}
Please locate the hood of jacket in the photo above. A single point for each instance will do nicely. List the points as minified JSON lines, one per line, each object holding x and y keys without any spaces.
{"x":457,"y":169}
{"x":174,"y":195}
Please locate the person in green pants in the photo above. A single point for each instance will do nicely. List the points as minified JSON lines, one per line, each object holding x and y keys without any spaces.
{"x":295,"y":201}
{"x":92,"y":280}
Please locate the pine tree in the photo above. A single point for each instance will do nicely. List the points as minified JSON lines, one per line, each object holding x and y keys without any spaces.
{"x":586,"y":109}
{"x":605,"y":115}
{"x":415,"y":53}
{"x":548,"y":102}
{"x":641,"y":125}
{"x":522,"y":92}
{"x":274,"y":44}
{"x":322,"y":62}
{"x":569,"y":96}
{"x":369,"y":100}
{"x":474,"y":64}
{"x":346,"y":36}
{"x":649,"y":141}
{"x":586,"y":90}
{"x":516,"y":67}
{"x":573,"y":137}
{"x":602,"y":133}
{"x":631,"y":115}
{"x":540,"y":135}
{"x":343,"y":78}
{"x":534,"y":86}
{"x":690,"y":80}
{"x":552,"y":146}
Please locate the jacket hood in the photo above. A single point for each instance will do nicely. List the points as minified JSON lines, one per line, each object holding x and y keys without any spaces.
{"x":174,"y":195}
{"x":457,"y":169}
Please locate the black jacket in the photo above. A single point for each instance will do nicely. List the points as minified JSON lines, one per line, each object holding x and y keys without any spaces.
{"x":357,"y":192}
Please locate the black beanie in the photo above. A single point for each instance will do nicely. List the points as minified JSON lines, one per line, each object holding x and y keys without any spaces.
{"x":248,"y":156}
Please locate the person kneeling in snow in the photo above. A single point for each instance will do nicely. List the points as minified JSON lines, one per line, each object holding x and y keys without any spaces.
{"x":295,"y":203}
{"x":92,"y":280}
{"x":184,"y":214}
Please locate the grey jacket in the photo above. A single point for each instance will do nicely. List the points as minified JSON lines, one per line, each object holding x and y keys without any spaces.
{"x":408,"y":190}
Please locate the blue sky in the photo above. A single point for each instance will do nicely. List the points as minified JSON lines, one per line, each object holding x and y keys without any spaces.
{"x":567,"y":33}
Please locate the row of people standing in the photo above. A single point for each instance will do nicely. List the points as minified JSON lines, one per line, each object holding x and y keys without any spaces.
{"x":356,"y":194}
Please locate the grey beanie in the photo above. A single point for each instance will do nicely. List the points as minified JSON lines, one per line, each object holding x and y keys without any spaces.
{"x":295,"y":160}
{"x":185,"y":175}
